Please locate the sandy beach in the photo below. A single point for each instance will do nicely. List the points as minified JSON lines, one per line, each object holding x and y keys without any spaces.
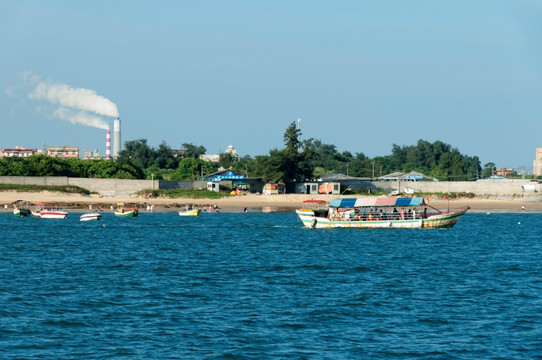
{"x":253,"y":202}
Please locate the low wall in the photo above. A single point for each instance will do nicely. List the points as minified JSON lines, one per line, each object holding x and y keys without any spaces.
{"x":34,"y":180}
{"x":108,"y":187}
{"x":480,"y":187}
{"x":115,"y":187}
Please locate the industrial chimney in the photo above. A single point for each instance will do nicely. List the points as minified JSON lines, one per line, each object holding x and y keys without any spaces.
{"x":108,"y":145}
{"x":116,"y":137}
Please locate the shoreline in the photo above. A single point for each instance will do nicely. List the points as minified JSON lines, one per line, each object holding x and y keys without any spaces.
{"x":254,"y":202}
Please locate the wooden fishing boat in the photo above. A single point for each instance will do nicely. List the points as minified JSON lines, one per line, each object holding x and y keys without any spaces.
{"x":380,"y":213}
{"x":20,"y":208}
{"x":193,"y":212}
{"x":189,"y":211}
{"x":21,"y":212}
{"x":121,"y":211}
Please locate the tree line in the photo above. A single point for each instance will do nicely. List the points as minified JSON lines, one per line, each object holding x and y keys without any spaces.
{"x":298,"y":160}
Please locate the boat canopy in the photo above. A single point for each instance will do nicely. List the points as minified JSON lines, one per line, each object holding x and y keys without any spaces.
{"x":380,"y":202}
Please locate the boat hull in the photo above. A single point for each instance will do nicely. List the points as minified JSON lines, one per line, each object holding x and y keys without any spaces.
{"x":21,"y":212}
{"x":193,"y":212}
{"x":90,"y":217}
{"x":131,"y":213}
{"x":442,"y":221}
{"x":53,"y":214}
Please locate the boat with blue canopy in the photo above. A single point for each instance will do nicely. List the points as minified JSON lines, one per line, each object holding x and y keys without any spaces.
{"x":380,"y":212}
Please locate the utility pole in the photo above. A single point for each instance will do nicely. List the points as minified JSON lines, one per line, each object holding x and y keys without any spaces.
{"x":373,"y":177}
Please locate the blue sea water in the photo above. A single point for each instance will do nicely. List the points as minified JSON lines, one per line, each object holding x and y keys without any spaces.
{"x":260,"y":286}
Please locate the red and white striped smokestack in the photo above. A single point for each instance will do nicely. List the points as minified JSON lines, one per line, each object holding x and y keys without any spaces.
{"x":108,"y":145}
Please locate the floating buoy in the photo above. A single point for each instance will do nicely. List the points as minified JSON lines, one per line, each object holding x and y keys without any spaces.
{"x":519,"y":222}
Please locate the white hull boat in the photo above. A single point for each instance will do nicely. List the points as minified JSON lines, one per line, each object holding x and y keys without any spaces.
{"x":53,"y":214}
{"x":94,"y":216}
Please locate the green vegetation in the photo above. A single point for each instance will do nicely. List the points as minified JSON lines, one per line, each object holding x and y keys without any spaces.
{"x":37,"y":188}
{"x":299,"y":160}
{"x":189,"y":193}
{"x":41,"y":165}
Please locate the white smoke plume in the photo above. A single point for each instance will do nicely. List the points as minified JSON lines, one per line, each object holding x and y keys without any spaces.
{"x":78,"y":98}
{"x":80,"y":117}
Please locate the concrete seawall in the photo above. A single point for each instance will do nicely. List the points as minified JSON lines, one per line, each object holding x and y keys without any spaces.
{"x":499,"y":189}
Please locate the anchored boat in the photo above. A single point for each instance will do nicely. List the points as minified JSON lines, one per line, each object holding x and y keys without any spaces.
{"x":123,"y":212}
{"x":20,"y":208}
{"x":53,"y":213}
{"x":380,"y":213}
{"x":91,"y":216}
{"x":189,"y":211}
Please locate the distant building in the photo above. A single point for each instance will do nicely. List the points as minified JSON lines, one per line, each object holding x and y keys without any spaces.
{"x":230,"y":150}
{"x":64,"y":152}
{"x":211,"y":158}
{"x":503,"y":171}
{"x":18,"y":151}
{"x":410,"y":176}
{"x":91,"y":154}
{"x":178,"y":152}
{"x":537,"y":163}
{"x":223,"y":175}
{"x":216,"y":157}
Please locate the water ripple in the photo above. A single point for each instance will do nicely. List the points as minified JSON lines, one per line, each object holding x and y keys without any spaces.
{"x":260,"y":286}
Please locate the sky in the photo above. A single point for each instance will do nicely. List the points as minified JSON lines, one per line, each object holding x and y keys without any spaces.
{"x":362,"y":75}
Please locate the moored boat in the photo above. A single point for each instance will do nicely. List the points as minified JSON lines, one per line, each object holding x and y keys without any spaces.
{"x":53,"y":214}
{"x":91,"y":216}
{"x":121,"y":211}
{"x":379,"y":213}
{"x":189,"y":212}
{"x":21,"y":212}
{"x":20,"y":208}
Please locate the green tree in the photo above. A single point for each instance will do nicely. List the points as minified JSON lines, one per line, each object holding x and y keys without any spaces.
{"x":164,"y":158}
{"x":193,"y":151}
{"x":293,"y":163}
{"x":138,"y":153}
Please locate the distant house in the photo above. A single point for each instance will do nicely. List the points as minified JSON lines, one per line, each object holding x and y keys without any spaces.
{"x":503,"y":171}
{"x":212,"y":158}
{"x":87,"y":154}
{"x":64,"y":152}
{"x":223,"y":175}
{"x":18,"y":151}
{"x":333,"y":184}
{"x":229,"y":179}
{"x":410,"y":176}
{"x":178,"y":152}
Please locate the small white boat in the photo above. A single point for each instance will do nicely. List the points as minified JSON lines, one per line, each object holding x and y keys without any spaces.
{"x":53,"y":214}
{"x":191,"y":212}
{"x":91,"y":216}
